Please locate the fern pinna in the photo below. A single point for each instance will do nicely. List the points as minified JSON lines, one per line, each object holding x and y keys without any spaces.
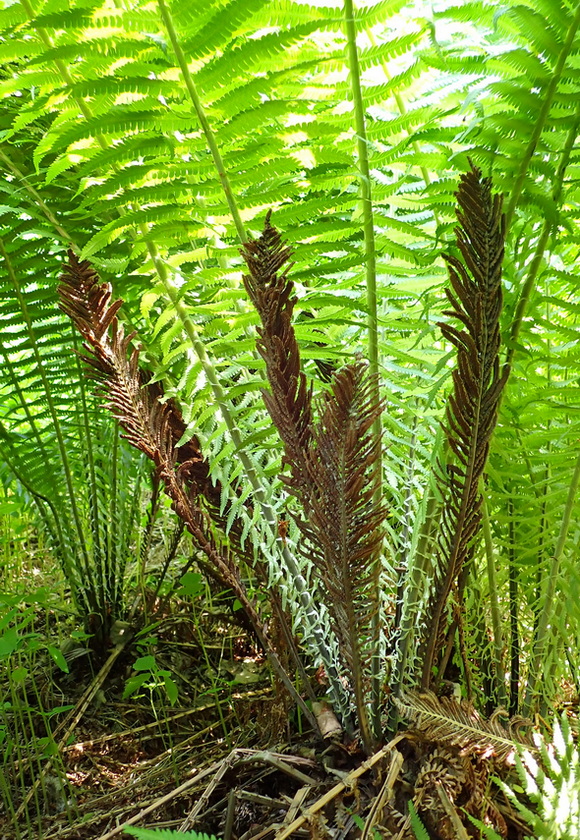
{"x":476,"y":299}
{"x":333,"y":464}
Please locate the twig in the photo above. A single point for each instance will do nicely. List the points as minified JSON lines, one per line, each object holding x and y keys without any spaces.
{"x":230,"y":813}
{"x":299,"y":797}
{"x":458,"y":826}
{"x":385,"y":794}
{"x":333,"y":792}
{"x":282,"y":765}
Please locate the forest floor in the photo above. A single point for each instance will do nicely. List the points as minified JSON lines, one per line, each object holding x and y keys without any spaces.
{"x":224,"y":759}
{"x":228,"y":757}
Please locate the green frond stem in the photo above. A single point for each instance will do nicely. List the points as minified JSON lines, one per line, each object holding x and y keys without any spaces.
{"x":53,"y":413}
{"x":50,"y":518}
{"x":501,"y":694}
{"x":85,"y":425}
{"x":206,"y":128}
{"x":514,"y":645}
{"x":540,"y":486}
{"x":541,"y":118}
{"x":22,"y":179}
{"x":545,"y":620}
{"x":545,"y":708}
{"x":114,"y":582}
{"x":365,"y":191}
{"x":372,"y":315}
{"x":88,"y":114}
{"x":547,"y":229}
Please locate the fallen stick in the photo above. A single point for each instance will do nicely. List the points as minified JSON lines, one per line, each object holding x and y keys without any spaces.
{"x":161,"y":801}
{"x":384,"y":795}
{"x":330,"y":795}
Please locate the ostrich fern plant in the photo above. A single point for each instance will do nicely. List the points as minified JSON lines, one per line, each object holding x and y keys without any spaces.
{"x":333,"y":455}
{"x":152,"y":139}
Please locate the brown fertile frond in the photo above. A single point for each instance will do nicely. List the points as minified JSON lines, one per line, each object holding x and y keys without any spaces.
{"x":476,"y":300}
{"x":344,"y":528}
{"x":150,"y":422}
{"x":444,"y":720}
{"x":289,"y":402}
{"x":152,"y":426}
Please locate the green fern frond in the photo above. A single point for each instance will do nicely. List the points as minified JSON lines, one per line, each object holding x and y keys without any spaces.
{"x":552,"y":782}
{"x":166,"y":834}
{"x":443,"y":719}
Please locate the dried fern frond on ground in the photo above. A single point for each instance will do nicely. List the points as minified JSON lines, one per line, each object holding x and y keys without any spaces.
{"x":459,"y":724}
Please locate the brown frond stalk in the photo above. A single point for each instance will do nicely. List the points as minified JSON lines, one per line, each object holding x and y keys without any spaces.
{"x":344,"y":528}
{"x":476,"y":300}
